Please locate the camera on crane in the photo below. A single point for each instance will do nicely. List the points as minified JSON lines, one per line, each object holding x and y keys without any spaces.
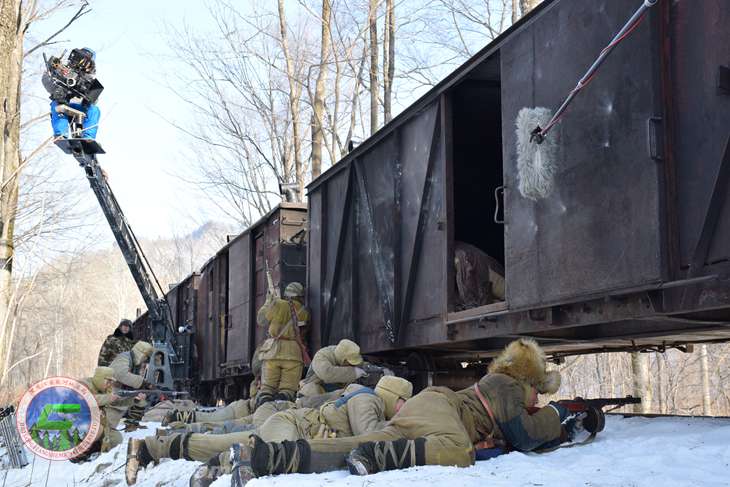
{"x":73,"y":78}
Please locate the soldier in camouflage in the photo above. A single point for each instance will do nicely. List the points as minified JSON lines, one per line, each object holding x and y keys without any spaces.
{"x":122,"y":340}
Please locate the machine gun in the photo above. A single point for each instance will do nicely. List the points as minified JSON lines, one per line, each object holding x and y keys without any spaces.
{"x":595,"y":417}
{"x":373,"y":373}
{"x":153,"y":395}
{"x":65,"y":81}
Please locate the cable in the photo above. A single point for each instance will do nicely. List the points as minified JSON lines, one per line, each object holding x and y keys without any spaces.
{"x":539,"y":134}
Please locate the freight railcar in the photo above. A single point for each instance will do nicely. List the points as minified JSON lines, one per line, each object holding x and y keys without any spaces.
{"x":631,"y":251}
{"x":232,"y":287}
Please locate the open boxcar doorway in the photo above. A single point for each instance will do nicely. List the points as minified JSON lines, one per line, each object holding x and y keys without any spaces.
{"x":478,"y":233}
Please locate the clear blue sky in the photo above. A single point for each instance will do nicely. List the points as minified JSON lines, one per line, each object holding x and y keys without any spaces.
{"x":143,"y":151}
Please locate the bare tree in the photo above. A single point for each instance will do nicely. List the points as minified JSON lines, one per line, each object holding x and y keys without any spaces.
{"x":388,"y":59}
{"x":16,"y":17}
{"x":527,"y":5}
{"x":319,"y":94}
{"x":705,"y":371}
{"x":374,"y":87}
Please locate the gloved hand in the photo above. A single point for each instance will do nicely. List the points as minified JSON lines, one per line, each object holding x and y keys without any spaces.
{"x":147,"y":385}
{"x":574,"y":425}
{"x":359,"y":372}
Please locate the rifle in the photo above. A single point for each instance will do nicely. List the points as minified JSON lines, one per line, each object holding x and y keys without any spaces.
{"x":161,"y":392}
{"x":153,"y":395}
{"x":373,"y":373}
{"x":272,"y":291}
{"x":595,"y":417}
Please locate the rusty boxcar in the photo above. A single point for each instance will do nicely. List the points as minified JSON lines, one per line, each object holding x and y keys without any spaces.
{"x":632,"y":249}
{"x":233,"y":286}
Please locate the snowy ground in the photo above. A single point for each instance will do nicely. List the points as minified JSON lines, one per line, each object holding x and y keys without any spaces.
{"x":630,"y":452}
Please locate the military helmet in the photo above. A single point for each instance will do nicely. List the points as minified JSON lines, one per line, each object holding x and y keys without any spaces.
{"x":348,"y":352}
{"x":391,"y":388}
{"x":294,"y":290}
{"x":141,"y":351}
{"x":125,"y":322}
{"x":101,"y":374}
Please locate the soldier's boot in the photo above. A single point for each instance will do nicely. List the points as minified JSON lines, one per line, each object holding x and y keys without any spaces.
{"x":259,"y":458}
{"x":285,"y":396}
{"x":379,"y":456}
{"x":138,"y":456}
{"x":208,"y":472}
{"x":175,"y":415}
{"x":263,"y":398}
{"x":135,"y":413}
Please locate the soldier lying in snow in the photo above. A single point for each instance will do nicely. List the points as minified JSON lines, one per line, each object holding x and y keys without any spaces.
{"x":358,"y":411}
{"x":436,"y":427}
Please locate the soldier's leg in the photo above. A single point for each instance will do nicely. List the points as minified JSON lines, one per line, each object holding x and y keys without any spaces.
{"x":235,"y":410}
{"x":192,"y":446}
{"x":286,"y":425}
{"x":312,"y":456}
{"x":270,"y":378}
{"x":291,"y":374}
{"x":112,"y":438}
{"x":433,"y":434}
{"x":265,"y":411}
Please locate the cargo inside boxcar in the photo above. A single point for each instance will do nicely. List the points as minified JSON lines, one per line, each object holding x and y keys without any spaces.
{"x":475,"y":119}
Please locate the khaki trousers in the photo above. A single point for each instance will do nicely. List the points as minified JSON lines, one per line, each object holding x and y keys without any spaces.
{"x":235,"y":410}
{"x":431,"y":415}
{"x":202,"y":447}
{"x":281,"y":376}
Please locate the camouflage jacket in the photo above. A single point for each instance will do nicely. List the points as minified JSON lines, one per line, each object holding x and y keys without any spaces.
{"x":113,"y":346}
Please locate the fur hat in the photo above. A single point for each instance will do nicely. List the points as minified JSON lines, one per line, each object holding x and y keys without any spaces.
{"x":101,"y":374}
{"x":391,"y":388}
{"x":524,"y":361}
{"x":141,"y":351}
{"x":348,"y":352}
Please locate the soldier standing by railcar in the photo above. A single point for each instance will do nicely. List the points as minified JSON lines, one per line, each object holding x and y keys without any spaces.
{"x":283,"y":354}
{"x":122,"y":340}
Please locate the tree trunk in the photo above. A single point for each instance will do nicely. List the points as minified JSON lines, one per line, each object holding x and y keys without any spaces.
{"x":318,"y":131}
{"x":294,"y":91}
{"x":527,"y":5}
{"x":388,"y":60}
{"x":662,"y":383}
{"x":11,"y":60}
{"x":372,"y":20}
{"x":515,"y":11}
{"x":705,"y":370}
{"x":640,"y":370}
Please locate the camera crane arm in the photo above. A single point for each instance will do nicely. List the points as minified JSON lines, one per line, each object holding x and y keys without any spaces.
{"x":163,"y":329}
{"x":74,"y":89}
{"x":85,"y":150}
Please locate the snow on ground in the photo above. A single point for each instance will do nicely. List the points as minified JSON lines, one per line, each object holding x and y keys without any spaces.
{"x":630,"y":452}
